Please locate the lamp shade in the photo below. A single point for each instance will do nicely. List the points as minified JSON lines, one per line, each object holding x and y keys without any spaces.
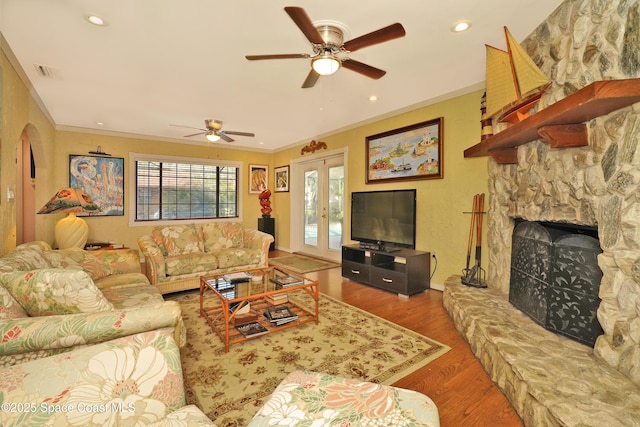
{"x":70,"y":200}
{"x":70,"y":231}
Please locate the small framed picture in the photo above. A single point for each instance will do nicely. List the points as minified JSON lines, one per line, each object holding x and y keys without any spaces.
{"x":281,"y":178}
{"x":258,"y":178}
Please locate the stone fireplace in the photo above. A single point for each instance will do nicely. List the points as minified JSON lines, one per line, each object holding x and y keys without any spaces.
{"x":598,"y":185}
{"x":548,"y":379}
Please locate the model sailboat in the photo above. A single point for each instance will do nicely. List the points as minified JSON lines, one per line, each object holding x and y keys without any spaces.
{"x":514,"y":82}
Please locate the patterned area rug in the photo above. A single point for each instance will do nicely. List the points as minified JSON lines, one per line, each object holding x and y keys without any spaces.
{"x":302,"y":264}
{"x":231,"y":387}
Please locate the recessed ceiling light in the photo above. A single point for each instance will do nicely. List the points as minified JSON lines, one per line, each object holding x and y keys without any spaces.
{"x":373,"y":98}
{"x":96,"y":20}
{"x":461,"y":26}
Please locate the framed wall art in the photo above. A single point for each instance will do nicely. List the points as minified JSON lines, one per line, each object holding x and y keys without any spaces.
{"x":410,"y":152}
{"x":102,"y":178}
{"x":281,"y":178}
{"x":258,"y":178}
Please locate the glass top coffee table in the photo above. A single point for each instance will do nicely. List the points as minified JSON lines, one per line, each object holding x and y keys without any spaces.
{"x":241,"y":301}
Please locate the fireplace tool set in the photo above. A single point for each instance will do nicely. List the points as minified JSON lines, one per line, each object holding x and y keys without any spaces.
{"x":475,"y":276}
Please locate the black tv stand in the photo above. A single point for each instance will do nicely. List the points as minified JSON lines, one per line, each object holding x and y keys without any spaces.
{"x":380,"y":247}
{"x":404,"y":271}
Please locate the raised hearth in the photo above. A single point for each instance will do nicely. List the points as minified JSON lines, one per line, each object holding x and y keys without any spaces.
{"x":550,"y":380}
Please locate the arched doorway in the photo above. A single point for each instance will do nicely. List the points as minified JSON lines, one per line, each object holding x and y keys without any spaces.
{"x":27,"y":150}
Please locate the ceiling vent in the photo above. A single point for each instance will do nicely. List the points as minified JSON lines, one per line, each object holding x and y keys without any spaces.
{"x":44,"y":71}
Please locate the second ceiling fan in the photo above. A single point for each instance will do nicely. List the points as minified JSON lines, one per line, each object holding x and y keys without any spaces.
{"x":214,"y":132}
{"x":330,"y":51}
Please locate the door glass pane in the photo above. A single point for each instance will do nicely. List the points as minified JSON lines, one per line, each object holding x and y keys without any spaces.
{"x":336,"y":206}
{"x":311,"y":208}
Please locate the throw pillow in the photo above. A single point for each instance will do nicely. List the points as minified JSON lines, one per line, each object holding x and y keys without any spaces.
{"x":218,"y":235}
{"x":177,"y":239}
{"x":49,"y":292}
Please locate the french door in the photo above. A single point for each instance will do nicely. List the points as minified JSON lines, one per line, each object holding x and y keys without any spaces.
{"x":318,"y":206}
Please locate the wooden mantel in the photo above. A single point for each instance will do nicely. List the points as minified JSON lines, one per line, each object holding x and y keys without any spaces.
{"x":560,"y":124}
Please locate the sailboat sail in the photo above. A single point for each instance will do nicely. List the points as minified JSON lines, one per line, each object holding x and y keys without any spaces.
{"x":512,"y":78}
{"x":501,"y":91}
{"x":528,"y":76}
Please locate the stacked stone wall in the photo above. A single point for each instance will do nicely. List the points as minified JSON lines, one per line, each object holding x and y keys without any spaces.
{"x":581,"y":42}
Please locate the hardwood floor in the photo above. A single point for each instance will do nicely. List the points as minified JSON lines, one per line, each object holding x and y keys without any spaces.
{"x":456,"y":382}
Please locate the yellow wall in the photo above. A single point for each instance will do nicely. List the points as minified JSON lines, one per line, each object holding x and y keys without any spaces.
{"x":442,"y":226}
{"x":116,"y":228}
{"x":21,"y":118}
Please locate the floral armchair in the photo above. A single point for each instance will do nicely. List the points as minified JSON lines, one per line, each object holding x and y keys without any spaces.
{"x":54,"y":301}
{"x":134,"y":380}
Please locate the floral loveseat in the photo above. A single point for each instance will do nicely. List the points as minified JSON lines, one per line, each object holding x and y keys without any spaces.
{"x":176,"y":256}
{"x":52,"y":301}
{"x":129,"y":381}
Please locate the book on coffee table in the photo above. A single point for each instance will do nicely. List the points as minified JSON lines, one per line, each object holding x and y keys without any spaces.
{"x":243,"y":276}
{"x":280,"y":315}
{"x":277,"y":299}
{"x":243,"y":319}
{"x":283,"y":281}
{"x":252,"y":329}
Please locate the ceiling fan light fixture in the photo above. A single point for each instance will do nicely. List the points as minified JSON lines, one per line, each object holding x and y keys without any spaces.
{"x":325,"y":64}
{"x":212,"y":136}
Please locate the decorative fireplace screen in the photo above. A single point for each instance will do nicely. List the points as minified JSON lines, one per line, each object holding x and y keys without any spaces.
{"x":555,"y":278}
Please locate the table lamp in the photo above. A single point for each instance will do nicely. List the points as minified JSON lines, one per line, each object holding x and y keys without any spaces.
{"x":71,"y":231}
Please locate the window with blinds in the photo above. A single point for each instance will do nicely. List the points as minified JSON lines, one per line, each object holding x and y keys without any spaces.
{"x":168,"y":190}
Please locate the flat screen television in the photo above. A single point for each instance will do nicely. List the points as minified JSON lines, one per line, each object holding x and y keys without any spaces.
{"x":385,"y":218}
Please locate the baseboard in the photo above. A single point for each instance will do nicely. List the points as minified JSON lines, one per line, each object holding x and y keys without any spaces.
{"x":437,"y":286}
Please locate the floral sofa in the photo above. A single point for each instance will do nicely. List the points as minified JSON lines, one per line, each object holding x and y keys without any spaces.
{"x":53,"y":301}
{"x":312,"y":398}
{"x":176,"y":256}
{"x":133,"y":380}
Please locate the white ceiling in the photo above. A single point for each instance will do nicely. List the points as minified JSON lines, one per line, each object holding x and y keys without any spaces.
{"x":164,"y":62}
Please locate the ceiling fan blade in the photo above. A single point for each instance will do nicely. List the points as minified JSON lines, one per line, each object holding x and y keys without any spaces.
{"x":390,"y":32}
{"x":278,"y":56}
{"x":367,"y":70}
{"x":225,"y":137}
{"x":194,"y":134}
{"x":302,"y":20}
{"x":188,"y":127}
{"x":232,"y":132}
{"x":311,"y":79}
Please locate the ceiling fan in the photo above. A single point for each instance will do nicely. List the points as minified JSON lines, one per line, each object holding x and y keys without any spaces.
{"x":214,"y":132}
{"x":330,"y":52}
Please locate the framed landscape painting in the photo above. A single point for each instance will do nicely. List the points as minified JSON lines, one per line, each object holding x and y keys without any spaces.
{"x":102,"y":178}
{"x":410,"y":152}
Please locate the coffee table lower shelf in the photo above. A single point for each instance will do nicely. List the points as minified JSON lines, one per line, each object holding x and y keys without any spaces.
{"x":224,"y":327}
